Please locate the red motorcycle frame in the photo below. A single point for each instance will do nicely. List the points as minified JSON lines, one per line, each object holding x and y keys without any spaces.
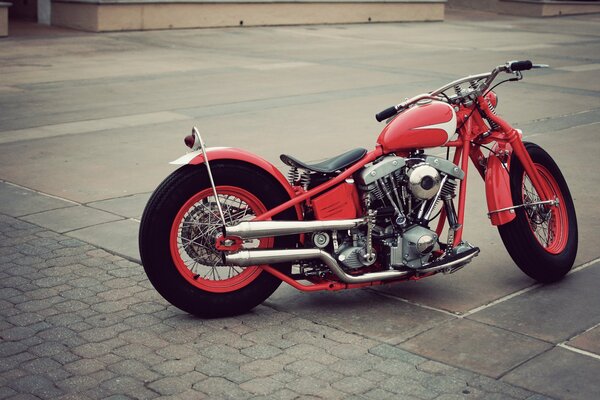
{"x":424,"y":121}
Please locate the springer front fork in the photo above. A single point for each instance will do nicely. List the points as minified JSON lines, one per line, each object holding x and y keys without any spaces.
{"x":513,"y":137}
{"x":467,"y":149}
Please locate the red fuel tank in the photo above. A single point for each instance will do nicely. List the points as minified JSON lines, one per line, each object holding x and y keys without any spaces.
{"x":426,"y":124}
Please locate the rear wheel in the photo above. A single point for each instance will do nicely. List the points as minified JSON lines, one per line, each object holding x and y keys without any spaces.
{"x":178,"y":232}
{"x":541,"y":240}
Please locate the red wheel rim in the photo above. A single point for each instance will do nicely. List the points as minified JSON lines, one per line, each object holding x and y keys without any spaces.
{"x":193,"y":233}
{"x":551,"y":230}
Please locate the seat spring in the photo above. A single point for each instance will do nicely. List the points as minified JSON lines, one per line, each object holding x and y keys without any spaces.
{"x":493,"y":125}
{"x":305,"y":180}
{"x":293,"y":175}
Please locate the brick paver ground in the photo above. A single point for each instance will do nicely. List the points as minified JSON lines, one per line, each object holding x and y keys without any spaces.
{"x":78,"y":322}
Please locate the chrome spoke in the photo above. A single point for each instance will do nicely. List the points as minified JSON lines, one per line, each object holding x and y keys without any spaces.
{"x":199,"y":228}
{"x":541,"y":220}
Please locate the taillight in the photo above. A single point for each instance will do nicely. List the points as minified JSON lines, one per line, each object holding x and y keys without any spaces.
{"x":189,"y":141}
{"x":193,"y":141}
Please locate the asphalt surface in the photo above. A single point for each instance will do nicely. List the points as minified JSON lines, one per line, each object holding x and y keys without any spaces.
{"x":90,"y":121}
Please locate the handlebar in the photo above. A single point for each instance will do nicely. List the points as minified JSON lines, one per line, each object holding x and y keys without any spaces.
{"x":514,"y":66}
{"x":387,"y":113}
{"x":510,"y":67}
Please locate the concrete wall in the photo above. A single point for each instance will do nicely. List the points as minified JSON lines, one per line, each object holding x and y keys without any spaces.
{"x":530,"y":8}
{"x":142,"y":16}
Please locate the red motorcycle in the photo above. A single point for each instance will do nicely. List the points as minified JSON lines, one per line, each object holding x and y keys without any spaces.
{"x":219,"y":234}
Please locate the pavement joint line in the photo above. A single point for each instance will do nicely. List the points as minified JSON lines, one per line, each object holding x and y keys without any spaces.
{"x":371,"y":41}
{"x":109,"y":212}
{"x":513,"y":48}
{"x":525,"y":290}
{"x":584,"y":266}
{"x":564,"y":115}
{"x":94,"y":225}
{"x":559,"y":130}
{"x":522,"y":362}
{"x":501,"y":300}
{"x":557,"y":118}
{"x":580,"y":67}
{"x":75,"y":203}
{"x":586,"y":331}
{"x":90,"y":126}
{"x":579,"y":334}
{"x":564,"y":90}
{"x":40,"y":193}
{"x":116,"y":198}
{"x":110,"y":251}
{"x":414,"y":303}
{"x":579,"y":351}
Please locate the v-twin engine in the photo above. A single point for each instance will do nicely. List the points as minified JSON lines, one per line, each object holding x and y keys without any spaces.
{"x":402,"y":195}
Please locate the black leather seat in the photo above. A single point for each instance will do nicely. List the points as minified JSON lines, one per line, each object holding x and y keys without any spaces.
{"x":328,"y":166}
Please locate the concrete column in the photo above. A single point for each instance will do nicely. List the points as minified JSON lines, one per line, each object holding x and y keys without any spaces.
{"x":44,"y":11}
{"x":4,"y":18}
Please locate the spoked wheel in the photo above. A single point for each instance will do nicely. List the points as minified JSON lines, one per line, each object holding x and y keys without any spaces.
{"x":542,"y":240}
{"x":178,"y":231}
{"x":195,"y":229}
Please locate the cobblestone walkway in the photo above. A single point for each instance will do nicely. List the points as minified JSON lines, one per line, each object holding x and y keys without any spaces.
{"x":78,"y":323}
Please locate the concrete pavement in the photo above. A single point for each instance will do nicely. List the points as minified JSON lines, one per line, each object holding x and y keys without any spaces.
{"x":89,"y":123}
{"x":81,"y":323}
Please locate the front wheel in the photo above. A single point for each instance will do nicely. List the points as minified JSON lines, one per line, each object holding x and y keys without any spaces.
{"x":178,"y":231}
{"x":541,"y":240}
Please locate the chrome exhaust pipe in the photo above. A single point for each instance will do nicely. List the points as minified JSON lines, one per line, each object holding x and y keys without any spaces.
{"x":260,"y":229}
{"x":246,"y":258}
{"x":454,"y":264}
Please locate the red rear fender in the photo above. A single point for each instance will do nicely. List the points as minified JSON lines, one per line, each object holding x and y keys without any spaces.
{"x":230,"y":153}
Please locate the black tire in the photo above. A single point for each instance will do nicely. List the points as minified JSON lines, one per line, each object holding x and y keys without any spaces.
{"x":163,"y":258}
{"x":549,"y":261}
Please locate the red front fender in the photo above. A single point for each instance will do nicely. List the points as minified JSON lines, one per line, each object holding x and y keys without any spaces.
{"x":230,"y":153}
{"x":497,"y":191}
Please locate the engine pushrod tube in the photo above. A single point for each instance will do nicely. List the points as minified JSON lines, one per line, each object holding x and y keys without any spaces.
{"x":260,"y":229}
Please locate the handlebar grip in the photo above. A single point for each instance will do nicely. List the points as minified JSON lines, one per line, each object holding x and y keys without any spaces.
{"x":385,"y":114}
{"x":520,"y":65}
